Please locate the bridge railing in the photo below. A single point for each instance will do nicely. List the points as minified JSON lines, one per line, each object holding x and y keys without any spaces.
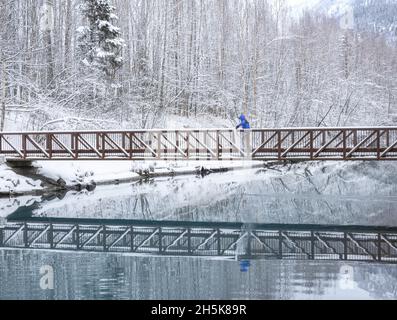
{"x":300,"y":242}
{"x":378,"y":143}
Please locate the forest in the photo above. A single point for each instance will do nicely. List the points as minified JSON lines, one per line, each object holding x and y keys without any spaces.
{"x":154,"y":63}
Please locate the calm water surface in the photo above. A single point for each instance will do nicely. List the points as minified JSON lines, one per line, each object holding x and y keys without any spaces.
{"x":117,"y":276}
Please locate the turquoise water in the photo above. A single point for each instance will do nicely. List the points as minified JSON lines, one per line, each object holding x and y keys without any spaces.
{"x":110,"y":276}
{"x":116,"y":276}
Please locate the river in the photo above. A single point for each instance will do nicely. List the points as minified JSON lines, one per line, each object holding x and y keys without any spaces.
{"x":299,"y":195}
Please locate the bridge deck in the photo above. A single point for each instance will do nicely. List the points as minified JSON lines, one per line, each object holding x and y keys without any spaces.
{"x":360,"y":143}
{"x":206,"y":239}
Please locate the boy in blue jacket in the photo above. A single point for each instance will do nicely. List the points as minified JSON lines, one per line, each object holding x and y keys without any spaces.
{"x":244,"y":124}
{"x":245,"y":137}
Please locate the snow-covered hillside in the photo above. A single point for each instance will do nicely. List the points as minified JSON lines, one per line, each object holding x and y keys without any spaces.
{"x":324,"y":6}
{"x":378,"y":16}
{"x":333,"y":7}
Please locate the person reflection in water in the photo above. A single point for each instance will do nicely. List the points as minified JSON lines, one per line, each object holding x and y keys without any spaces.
{"x":245,"y":265}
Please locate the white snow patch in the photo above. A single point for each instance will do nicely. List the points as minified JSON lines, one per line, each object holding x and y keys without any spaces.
{"x":10,"y":182}
{"x":74,"y":172}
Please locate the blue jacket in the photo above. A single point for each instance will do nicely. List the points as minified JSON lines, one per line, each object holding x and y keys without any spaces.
{"x":243,"y":123}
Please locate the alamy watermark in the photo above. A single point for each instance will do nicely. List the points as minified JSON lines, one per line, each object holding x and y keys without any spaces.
{"x":47,"y":277}
{"x":346,"y":278}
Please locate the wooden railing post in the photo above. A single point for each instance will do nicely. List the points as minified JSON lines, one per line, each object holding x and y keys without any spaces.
{"x":77,"y":236}
{"x":24,"y":150}
{"x":49,"y":144}
{"x":159,"y":145}
{"x":312,"y":246}
{"x":104,"y":237}
{"x":130,"y":144}
{"x":280,"y":245}
{"x":218,"y":149}
{"x":76,"y":145}
{"x":279,"y":144}
{"x":101,"y":141}
{"x":25,"y":235}
{"x":188,"y":145}
{"x":176,"y":144}
{"x":205,"y":141}
{"x":50,"y":236}
{"x":132,"y":239}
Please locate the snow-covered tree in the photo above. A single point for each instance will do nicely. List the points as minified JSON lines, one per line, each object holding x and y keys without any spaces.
{"x":100,"y":41}
{"x":193,"y":58}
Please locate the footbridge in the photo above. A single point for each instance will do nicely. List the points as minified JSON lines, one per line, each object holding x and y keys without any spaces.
{"x":360,"y":143}
{"x":204,"y":239}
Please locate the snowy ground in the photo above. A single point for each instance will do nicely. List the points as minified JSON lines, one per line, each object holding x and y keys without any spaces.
{"x":101,"y":172}
{"x":74,"y":172}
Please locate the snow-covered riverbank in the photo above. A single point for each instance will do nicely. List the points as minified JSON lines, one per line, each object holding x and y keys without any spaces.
{"x":314,"y":192}
{"x":296,"y":178}
{"x":72,"y":174}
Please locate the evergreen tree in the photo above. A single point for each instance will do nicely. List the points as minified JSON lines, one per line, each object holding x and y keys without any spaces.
{"x":100,"y":42}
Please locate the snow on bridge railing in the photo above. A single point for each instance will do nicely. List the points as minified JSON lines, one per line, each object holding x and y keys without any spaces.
{"x":346,"y":143}
{"x":199,"y":129}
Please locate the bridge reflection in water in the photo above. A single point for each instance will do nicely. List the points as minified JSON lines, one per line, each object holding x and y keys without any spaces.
{"x":205,"y":239}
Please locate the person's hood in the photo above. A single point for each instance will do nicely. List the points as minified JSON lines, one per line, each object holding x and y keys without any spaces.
{"x":242,"y":117}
